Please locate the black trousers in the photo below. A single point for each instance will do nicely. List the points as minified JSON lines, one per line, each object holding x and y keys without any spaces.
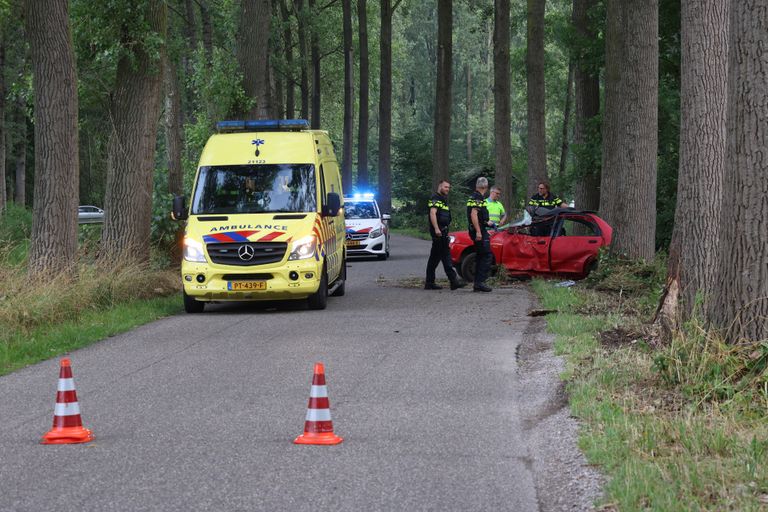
{"x":440,"y":252}
{"x":483,"y":261}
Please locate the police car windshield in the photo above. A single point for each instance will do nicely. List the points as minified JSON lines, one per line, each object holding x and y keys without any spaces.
{"x":255,"y":189}
{"x":360,"y":210}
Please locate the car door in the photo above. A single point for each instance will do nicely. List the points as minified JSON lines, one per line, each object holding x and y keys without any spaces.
{"x":525,"y":252}
{"x":577,"y":241}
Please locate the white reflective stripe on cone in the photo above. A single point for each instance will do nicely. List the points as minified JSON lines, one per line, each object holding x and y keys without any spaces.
{"x":318,"y":392}
{"x":70,"y":409}
{"x":318,"y":415}
{"x":66,"y":385}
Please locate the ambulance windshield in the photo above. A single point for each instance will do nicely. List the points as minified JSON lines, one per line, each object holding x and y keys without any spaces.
{"x":255,"y":189}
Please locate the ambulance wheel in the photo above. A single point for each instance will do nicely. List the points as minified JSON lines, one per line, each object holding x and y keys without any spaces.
{"x":191,"y":305}
{"x":341,"y":289}
{"x":319,"y":299}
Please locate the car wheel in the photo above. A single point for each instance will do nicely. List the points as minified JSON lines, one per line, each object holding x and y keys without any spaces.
{"x":342,"y":288}
{"x":192,"y":305}
{"x":468,"y":267}
{"x":319,"y":299}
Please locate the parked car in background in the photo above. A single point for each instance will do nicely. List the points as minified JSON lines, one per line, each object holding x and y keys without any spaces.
{"x":367,"y":228}
{"x":565,"y":242}
{"x":89,"y":214}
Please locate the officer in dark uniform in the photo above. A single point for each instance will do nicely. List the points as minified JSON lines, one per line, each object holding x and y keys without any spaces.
{"x":439,"y":220}
{"x":540,"y":205}
{"x":478,"y":219}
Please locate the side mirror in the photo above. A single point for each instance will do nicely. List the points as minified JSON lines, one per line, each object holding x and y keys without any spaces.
{"x":386,"y":217}
{"x":179,"y":208}
{"x":332,"y":204}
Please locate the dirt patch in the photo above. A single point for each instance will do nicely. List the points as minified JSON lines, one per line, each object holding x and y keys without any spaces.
{"x":621,"y":337}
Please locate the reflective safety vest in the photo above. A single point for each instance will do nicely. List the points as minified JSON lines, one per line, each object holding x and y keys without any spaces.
{"x":495,"y":210}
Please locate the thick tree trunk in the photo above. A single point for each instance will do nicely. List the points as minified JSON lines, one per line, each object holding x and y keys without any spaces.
{"x":740,"y":295}
{"x":53,"y":244}
{"x":630,"y":129}
{"x":301,"y":16}
{"x":252,"y":54}
{"x":3,"y":191}
{"x":534,"y":64}
{"x":173,"y":126}
{"x":205,"y":19}
{"x":290,"y":97}
{"x":314,"y":42}
{"x":501,"y":102}
{"x":443,"y":92}
{"x":704,"y":83}
{"x":586,"y":87}
{"x":385,"y":108}
{"x":468,"y":119}
{"x":190,"y":34}
{"x":135,"y":110}
{"x":349,"y":108}
{"x":362,"y":133}
{"x":20,"y":181}
{"x":566,"y":123}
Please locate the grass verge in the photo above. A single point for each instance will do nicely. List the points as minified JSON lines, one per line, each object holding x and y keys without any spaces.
{"x":675,"y":426}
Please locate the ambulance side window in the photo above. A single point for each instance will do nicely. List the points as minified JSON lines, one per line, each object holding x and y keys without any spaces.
{"x":323,"y":195}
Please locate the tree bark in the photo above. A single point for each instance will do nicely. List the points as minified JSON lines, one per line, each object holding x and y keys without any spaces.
{"x":385,"y":108}
{"x":3,"y":191}
{"x":566,"y":123}
{"x":20,"y":181}
{"x":468,"y":111}
{"x":314,"y":42}
{"x":252,"y":54}
{"x":174,"y":144}
{"x":53,"y":244}
{"x":501,"y":102}
{"x":586,"y":87}
{"x":301,"y":16}
{"x":630,"y":129}
{"x":190,"y":33}
{"x":134,"y":111}
{"x":362,"y":133}
{"x":534,"y":64}
{"x":443,"y":93}
{"x":740,"y":295}
{"x":349,"y":109}
{"x":290,"y":90}
{"x":205,"y":20}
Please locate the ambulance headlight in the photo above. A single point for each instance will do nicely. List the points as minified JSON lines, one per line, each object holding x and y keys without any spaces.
{"x":376,"y":233}
{"x":193,"y":251}
{"x":303,"y":248}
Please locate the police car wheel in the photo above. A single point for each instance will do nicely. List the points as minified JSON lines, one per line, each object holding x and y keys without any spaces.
{"x":319,"y":299}
{"x":191,"y":305}
{"x":467,"y":269}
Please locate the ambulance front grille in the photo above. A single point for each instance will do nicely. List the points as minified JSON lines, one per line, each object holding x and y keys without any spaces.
{"x":248,"y":254}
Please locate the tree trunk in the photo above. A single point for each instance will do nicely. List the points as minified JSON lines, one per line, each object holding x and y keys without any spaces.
{"x":468,"y":119}
{"x":534,"y":64}
{"x":190,"y":33}
{"x":301,"y":16}
{"x":501,"y":102}
{"x":53,"y":242}
{"x":314,"y":39}
{"x":740,"y":296}
{"x":630,"y":129}
{"x":586,"y":87}
{"x":135,"y":110}
{"x":566,"y":121}
{"x":290,"y":98}
{"x":349,"y":109}
{"x":205,"y":19}
{"x":443,"y":92}
{"x":173,"y":126}
{"x":704,"y":84}
{"x":20,"y":181}
{"x":385,"y":108}
{"x":3,"y":191}
{"x":252,"y":54}
{"x":362,"y":134}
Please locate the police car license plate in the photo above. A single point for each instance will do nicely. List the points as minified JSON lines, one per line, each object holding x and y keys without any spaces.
{"x":353,"y":243}
{"x":246,"y":285}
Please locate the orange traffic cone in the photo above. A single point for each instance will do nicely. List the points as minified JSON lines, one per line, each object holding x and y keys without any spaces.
{"x":67,"y":425}
{"x":318,"y":427}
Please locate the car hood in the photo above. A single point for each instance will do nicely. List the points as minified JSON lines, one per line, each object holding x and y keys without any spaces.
{"x":362,"y":225}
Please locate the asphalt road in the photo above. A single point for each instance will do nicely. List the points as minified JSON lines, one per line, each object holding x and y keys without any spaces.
{"x":198,"y":412}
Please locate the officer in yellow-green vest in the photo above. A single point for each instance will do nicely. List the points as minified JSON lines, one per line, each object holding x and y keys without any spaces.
{"x":496,"y":212}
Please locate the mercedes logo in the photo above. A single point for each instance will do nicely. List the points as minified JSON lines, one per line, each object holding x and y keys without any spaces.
{"x":246,"y":252}
{"x":349,"y":236}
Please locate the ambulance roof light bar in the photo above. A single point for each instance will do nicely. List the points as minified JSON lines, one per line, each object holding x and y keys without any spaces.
{"x":262,"y":125}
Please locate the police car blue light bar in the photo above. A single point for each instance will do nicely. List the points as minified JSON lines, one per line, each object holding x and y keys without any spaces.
{"x":262,"y":125}
{"x":358,"y":195}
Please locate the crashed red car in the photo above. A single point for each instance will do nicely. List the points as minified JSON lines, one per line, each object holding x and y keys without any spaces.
{"x":565,"y":242}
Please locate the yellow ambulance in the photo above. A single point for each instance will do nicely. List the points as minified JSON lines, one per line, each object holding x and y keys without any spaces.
{"x":265,"y":220}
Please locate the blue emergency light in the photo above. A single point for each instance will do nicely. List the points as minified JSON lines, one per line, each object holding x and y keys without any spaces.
{"x":262,"y":125}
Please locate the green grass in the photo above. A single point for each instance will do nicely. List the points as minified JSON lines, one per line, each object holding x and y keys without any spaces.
{"x":24,"y":348}
{"x":664,"y":443}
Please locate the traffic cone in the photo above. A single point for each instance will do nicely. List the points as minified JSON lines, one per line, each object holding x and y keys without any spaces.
{"x":318,"y":427}
{"x":67,"y":425}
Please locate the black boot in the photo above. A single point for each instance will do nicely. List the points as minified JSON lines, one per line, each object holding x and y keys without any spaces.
{"x":432,"y":286}
{"x":482,"y":288}
{"x":456,"y":284}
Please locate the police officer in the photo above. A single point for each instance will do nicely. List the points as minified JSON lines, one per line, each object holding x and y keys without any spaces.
{"x":439,"y":220}
{"x":477,"y":217}
{"x":540,"y":205}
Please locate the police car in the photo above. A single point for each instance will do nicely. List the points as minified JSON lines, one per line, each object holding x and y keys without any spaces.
{"x":367,"y":228}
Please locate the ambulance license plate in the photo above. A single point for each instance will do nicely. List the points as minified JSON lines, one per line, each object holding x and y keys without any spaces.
{"x":246,"y":285}
{"x":353,"y":243}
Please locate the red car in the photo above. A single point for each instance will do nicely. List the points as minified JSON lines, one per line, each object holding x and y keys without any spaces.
{"x":564,"y":242}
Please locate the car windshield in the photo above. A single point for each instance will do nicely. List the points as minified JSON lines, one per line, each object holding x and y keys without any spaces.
{"x":360,"y":210}
{"x":255,"y":189}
